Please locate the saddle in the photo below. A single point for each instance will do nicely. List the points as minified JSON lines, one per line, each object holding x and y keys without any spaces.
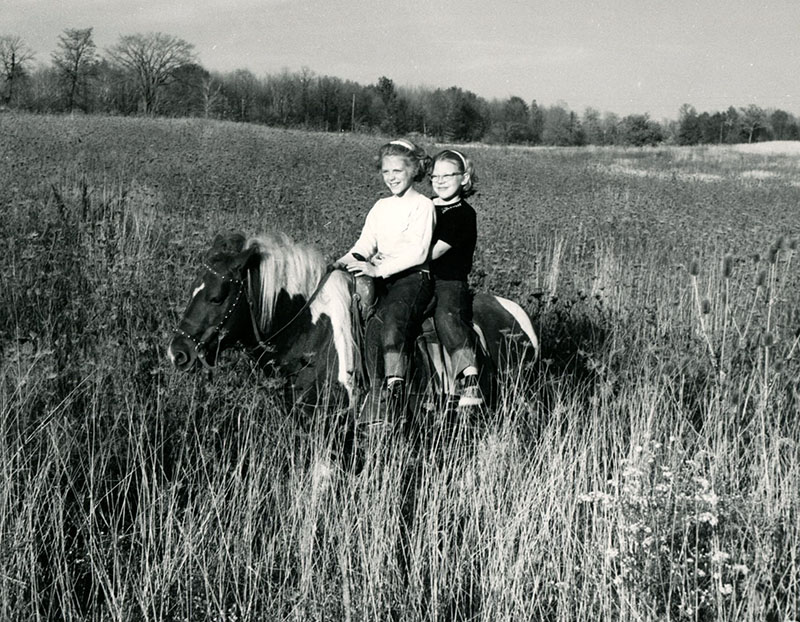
{"x":365,"y":293}
{"x":365,"y":297}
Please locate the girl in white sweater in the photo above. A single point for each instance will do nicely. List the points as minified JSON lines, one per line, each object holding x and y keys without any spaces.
{"x":394,"y":246}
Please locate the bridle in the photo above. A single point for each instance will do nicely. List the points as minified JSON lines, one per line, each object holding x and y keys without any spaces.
{"x":220,"y":331}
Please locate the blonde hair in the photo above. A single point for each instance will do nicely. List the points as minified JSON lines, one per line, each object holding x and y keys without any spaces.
{"x":415,"y":155}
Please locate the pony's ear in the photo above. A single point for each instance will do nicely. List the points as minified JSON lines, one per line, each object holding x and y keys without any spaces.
{"x":230,"y":243}
{"x":245,"y":260}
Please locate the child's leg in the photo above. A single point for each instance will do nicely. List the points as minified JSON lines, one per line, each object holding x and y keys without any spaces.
{"x":453,"y":319}
{"x":400,"y":311}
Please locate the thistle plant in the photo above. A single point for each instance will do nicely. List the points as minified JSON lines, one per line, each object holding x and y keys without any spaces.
{"x":758,"y":318}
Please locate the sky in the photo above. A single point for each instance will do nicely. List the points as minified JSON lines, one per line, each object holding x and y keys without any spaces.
{"x":621,"y":56}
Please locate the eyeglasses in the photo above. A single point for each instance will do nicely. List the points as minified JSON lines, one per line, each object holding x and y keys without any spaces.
{"x":444,"y":177}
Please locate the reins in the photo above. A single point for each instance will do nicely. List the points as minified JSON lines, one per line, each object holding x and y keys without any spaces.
{"x":311,"y":298}
{"x":261,"y":342}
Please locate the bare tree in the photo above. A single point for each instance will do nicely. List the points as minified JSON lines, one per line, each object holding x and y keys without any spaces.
{"x":561,"y":126}
{"x":593,"y":126}
{"x":14,"y":56}
{"x":753,"y":119}
{"x":305,"y":79}
{"x":211,"y":95}
{"x":610,"y":125}
{"x":241,"y":91}
{"x":75,"y":60}
{"x":151,"y":60}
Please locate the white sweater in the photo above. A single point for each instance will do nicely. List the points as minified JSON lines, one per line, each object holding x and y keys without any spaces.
{"x":400,"y":230}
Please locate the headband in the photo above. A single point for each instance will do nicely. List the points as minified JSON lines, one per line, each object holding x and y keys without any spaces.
{"x":404,"y":143}
{"x":461,"y":157}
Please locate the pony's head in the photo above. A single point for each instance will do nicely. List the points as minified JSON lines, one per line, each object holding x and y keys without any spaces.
{"x":218,"y":313}
{"x":246,"y":292}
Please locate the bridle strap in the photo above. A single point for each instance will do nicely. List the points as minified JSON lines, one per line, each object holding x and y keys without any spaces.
{"x":219,"y":329}
{"x":262,"y":343}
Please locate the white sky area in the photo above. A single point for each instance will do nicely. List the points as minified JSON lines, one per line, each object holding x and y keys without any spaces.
{"x":621,"y":56}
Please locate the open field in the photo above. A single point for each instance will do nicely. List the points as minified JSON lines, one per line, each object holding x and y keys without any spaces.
{"x":652,"y":472}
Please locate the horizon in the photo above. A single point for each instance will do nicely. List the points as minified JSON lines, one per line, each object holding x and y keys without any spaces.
{"x":556,"y":53}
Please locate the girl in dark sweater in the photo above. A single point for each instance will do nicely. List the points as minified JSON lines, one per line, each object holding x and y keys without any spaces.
{"x":454,"y":240}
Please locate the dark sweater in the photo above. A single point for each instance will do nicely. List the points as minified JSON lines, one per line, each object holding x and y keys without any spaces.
{"x":456,"y":225}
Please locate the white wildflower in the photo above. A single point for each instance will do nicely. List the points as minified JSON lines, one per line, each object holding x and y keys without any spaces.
{"x":720,"y":557}
{"x":710,"y":497}
{"x":708,"y":517}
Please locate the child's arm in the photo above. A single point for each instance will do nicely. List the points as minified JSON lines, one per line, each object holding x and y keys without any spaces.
{"x":454,"y":235}
{"x":440,"y":247}
{"x":365,"y":246}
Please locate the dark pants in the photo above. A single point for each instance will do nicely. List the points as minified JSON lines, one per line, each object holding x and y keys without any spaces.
{"x":454,"y":323}
{"x":400,"y":312}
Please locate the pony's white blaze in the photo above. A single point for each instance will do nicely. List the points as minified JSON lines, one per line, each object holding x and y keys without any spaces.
{"x":198,"y":289}
{"x":522,"y":320}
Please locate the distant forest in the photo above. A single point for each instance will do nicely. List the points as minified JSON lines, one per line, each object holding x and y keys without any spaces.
{"x":158,"y":74}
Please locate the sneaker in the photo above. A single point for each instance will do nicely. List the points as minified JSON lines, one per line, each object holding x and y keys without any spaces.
{"x":471,"y":394}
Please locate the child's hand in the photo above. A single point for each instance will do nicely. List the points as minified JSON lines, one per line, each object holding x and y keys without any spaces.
{"x":365,"y":268}
{"x":343,"y":262}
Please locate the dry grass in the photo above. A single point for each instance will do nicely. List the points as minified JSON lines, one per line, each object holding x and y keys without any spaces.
{"x":652,"y":473}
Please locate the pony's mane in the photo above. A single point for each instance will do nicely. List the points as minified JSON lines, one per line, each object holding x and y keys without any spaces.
{"x":283,"y":265}
{"x":299,"y":269}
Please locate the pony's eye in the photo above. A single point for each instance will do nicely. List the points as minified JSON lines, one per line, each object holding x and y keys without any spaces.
{"x":218,"y":297}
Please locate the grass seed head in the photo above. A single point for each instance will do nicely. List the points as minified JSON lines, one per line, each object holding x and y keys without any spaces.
{"x":694,"y":267}
{"x":705,"y":306}
{"x":727,"y":266}
{"x":776,"y":247}
{"x":773,"y":253}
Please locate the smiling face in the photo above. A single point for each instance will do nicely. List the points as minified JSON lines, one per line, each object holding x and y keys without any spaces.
{"x":447,"y":179}
{"x":398,"y":174}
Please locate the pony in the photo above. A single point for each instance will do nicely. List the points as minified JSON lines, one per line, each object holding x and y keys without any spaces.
{"x":296,"y":317}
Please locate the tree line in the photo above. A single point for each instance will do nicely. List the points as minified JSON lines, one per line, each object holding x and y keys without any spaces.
{"x":158,"y":74}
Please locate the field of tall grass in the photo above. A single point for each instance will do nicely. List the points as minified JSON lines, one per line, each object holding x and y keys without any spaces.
{"x":651,"y":473}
